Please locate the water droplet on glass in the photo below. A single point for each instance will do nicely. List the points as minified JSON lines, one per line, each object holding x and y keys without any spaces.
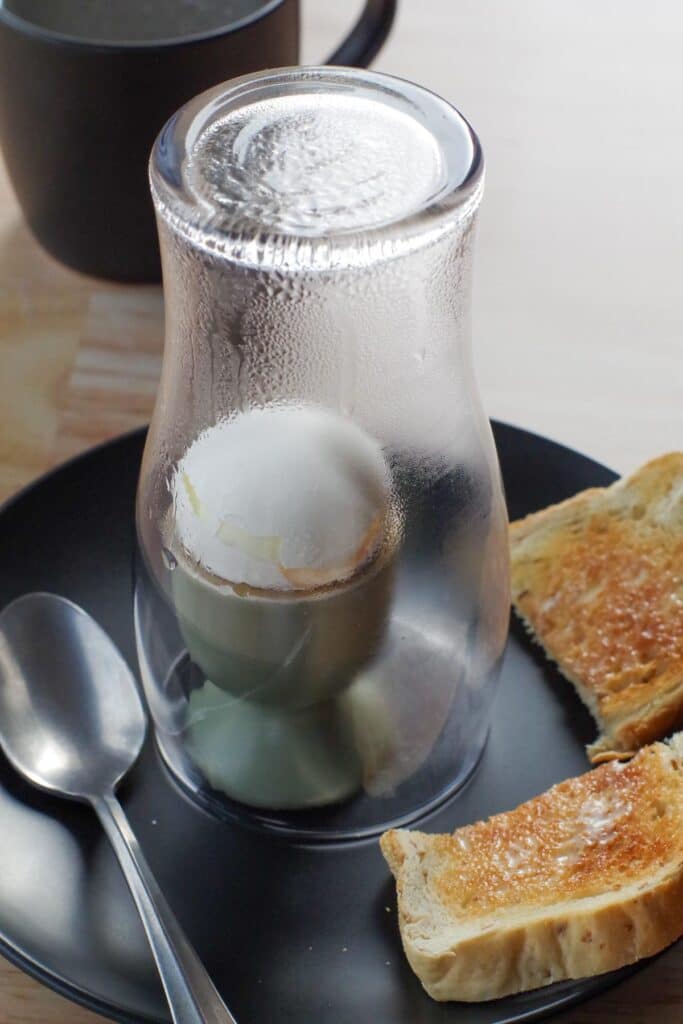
{"x":170,"y":560}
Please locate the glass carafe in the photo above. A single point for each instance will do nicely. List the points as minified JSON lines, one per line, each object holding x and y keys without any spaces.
{"x":322,"y":594}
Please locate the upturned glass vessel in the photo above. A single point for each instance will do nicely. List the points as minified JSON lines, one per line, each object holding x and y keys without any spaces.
{"x":322,"y":586}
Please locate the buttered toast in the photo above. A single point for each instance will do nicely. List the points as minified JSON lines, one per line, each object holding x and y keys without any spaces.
{"x":598,"y":581}
{"x":586,"y":878}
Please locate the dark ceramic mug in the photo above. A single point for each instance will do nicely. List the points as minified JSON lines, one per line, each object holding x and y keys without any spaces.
{"x":78,"y":116}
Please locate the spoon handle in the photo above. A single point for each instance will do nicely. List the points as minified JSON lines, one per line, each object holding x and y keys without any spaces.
{"x":191,"y":995}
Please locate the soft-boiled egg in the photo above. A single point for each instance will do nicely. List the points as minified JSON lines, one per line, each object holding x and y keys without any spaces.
{"x":282,"y":498}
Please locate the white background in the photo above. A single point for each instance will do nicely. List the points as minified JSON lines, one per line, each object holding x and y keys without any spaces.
{"x":578,"y":311}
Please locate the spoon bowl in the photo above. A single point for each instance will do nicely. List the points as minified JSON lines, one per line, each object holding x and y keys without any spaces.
{"x":72,"y":722}
{"x":72,"y":719}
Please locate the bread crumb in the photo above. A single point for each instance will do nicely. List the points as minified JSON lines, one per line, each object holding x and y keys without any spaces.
{"x":612,"y":755}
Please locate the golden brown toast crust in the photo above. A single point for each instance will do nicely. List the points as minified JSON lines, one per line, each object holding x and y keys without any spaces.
{"x":604,"y":829}
{"x":598,"y":579}
{"x":586,"y":878}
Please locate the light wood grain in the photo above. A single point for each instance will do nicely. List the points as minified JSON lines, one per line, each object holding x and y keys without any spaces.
{"x":578,"y":305}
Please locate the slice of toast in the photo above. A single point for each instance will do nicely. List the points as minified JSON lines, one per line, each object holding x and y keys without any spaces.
{"x":598,"y":581}
{"x":586,"y":878}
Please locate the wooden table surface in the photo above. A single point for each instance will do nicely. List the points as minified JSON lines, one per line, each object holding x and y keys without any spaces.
{"x":578,"y":314}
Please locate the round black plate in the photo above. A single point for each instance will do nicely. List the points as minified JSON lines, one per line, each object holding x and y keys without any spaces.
{"x":291,"y":933}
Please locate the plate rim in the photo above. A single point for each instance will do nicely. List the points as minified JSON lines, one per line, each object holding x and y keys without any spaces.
{"x":139,"y":432}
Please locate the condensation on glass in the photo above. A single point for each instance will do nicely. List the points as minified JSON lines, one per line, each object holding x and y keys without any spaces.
{"x":322,"y":583}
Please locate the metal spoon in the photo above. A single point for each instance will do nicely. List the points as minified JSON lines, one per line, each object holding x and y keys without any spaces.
{"x":72,"y":722}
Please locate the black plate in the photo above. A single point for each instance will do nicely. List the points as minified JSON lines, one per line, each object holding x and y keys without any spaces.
{"x":291,"y":933}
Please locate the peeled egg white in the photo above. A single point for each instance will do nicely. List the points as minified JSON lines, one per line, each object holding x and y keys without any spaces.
{"x":285,"y":498}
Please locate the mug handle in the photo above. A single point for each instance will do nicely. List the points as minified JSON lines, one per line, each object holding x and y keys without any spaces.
{"x":367,"y":36}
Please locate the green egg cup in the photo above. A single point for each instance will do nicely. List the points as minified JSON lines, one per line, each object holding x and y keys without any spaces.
{"x":269,"y":727}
